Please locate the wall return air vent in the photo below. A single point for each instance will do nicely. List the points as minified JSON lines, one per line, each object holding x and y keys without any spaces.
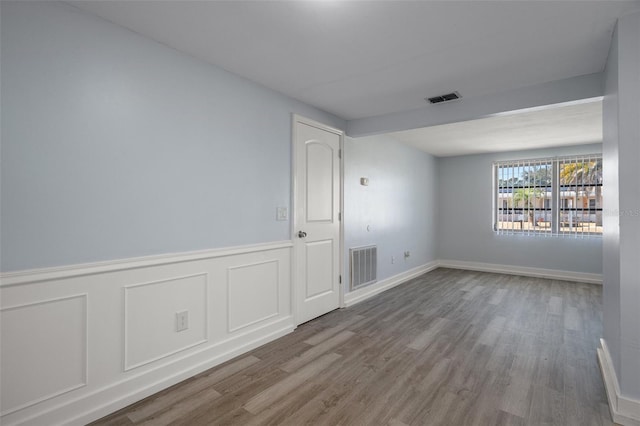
{"x":364,"y":266}
{"x":453,"y":96}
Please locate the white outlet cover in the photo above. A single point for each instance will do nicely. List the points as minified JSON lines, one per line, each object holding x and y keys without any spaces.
{"x":182,"y":320}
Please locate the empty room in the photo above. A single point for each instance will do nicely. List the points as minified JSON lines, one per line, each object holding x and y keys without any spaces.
{"x":323,"y":212}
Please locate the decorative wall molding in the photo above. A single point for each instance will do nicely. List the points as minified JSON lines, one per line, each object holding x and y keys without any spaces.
{"x":522,"y":270}
{"x":369,"y":291}
{"x":187,"y":345}
{"x":31,"y":276}
{"x":624,"y":411}
{"x":115,"y":293}
{"x":105,"y":400}
{"x":243,"y":307}
{"x":85,"y":349}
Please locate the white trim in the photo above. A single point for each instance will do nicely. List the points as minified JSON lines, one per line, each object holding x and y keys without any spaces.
{"x":274,"y":314}
{"x":110,"y":391}
{"x":526,"y":271}
{"x":212,"y":358}
{"x":367,"y":292}
{"x":624,"y":411}
{"x":48,"y":274}
{"x":125,"y":321}
{"x":342,"y":265}
{"x":304,"y":120}
{"x":85,"y":370}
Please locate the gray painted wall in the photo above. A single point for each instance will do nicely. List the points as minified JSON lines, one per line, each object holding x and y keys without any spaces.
{"x":611,"y":222}
{"x":621,"y":253}
{"x":465,"y":219}
{"x":116,"y":146}
{"x":398,"y":205}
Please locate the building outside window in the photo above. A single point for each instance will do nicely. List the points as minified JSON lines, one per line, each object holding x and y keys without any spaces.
{"x":553,"y":196}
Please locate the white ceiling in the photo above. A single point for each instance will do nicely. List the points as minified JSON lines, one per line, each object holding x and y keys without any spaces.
{"x":550,"y":127}
{"x":360,"y":59}
{"x":365,"y":58}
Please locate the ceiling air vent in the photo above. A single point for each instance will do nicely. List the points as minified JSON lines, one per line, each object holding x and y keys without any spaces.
{"x":444,"y":98}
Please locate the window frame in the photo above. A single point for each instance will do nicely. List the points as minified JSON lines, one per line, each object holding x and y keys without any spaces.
{"x":555,"y":200}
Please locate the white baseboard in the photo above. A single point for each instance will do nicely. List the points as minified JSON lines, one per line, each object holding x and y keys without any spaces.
{"x":624,"y":411}
{"x":523,"y":270}
{"x":168,"y":378}
{"x":365,"y":293}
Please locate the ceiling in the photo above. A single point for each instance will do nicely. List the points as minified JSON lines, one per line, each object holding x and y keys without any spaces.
{"x":545,"y":128}
{"x":360,"y":59}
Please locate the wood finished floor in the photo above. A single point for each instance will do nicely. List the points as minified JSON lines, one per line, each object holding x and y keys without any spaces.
{"x":448,"y":348}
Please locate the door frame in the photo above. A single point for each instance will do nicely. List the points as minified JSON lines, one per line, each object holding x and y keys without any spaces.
{"x":295,"y":118}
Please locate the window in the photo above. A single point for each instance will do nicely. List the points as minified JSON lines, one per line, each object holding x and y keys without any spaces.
{"x":552,"y":196}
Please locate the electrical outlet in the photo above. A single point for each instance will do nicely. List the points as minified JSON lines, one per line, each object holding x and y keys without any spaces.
{"x":393,"y":259}
{"x":407,"y":254}
{"x":182,"y":320}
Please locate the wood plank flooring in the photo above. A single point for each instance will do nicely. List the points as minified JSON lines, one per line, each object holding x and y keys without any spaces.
{"x":448,"y":348}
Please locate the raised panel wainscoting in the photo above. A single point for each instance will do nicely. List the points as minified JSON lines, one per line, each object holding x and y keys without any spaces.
{"x":82,"y":341}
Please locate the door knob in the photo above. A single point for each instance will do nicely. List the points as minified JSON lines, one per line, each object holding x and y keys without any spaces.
{"x":302,"y":234}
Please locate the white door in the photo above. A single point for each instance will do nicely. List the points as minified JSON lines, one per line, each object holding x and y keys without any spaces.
{"x":316,"y":231}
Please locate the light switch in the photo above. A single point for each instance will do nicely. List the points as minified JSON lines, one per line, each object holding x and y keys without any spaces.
{"x":281,"y":213}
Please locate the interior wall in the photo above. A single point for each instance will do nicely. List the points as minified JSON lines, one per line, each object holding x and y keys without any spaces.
{"x":629,"y":213}
{"x":396,"y":210}
{"x":622,"y":237}
{"x":465,"y":225}
{"x":611,"y":222}
{"x":115,"y":146}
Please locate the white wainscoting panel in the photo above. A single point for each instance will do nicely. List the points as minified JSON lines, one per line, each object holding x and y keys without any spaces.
{"x":252,"y":293}
{"x":44,"y":350}
{"x":150,"y":318}
{"x":79,"y":342}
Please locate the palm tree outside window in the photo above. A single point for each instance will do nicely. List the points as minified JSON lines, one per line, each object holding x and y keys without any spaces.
{"x":552,"y":196}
